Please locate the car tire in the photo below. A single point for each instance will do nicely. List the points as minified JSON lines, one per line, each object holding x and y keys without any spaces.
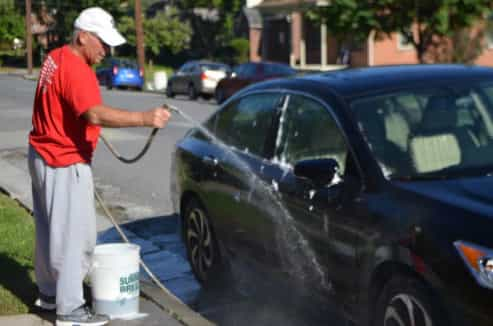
{"x":405,"y":299}
{"x":200,"y":241}
{"x":192,"y":92}
{"x":219,"y":95}
{"x":169,"y":91}
{"x":109,"y":84}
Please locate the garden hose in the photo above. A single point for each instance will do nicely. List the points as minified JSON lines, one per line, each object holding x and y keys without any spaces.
{"x":147,"y":144}
{"x":110,"y":216}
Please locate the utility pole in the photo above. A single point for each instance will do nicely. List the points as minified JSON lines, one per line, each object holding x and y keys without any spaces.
{"x":29,"y":39}
{"x":139,"y":31}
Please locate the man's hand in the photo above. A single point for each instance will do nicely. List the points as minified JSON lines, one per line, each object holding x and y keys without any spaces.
{"x":156,"y":118}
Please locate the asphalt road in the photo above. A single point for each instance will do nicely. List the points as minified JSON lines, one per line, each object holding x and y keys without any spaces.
{"x":139,"y":193}
{"x":135,"y":191}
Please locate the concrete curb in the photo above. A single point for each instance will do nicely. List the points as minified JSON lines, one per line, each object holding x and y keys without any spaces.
{"x":174,"y":308}
{"x":24,"y":320}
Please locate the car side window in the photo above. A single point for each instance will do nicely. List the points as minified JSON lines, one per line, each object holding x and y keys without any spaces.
{"x":246,"y":123}
{"x":308,"y":131}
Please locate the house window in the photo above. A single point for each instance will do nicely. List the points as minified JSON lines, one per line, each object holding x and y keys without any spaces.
{"x":403,"y":42}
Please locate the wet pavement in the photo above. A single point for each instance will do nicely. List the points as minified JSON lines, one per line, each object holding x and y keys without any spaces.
{"x":250,"y":300}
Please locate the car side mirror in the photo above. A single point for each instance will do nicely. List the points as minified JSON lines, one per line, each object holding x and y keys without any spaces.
{"x":320,"y":171}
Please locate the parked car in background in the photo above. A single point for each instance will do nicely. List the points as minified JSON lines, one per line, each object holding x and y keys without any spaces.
{"x":197,"y":78}
{"x":117,"y":72}
{"x":249,"y":73}
{"x":378,"y":179}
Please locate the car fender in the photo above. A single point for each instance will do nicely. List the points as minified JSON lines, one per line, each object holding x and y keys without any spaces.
{"x":390,"y":260}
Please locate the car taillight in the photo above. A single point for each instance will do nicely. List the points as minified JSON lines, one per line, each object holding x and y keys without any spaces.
{"x":203,"y":76}
{"x":141,"y":72}
{"x":115,"y":70}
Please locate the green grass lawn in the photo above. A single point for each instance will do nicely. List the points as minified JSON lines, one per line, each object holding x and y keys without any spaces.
{"x":17,"y":287}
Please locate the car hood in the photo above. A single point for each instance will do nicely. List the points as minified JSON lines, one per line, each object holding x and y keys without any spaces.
{"x":472,"y":194}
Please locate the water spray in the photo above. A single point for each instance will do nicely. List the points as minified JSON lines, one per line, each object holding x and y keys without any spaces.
{"x":285,"y":235}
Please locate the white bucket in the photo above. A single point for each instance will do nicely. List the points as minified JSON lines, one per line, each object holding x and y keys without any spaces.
{"x":160,"y":80}
{"x":115,"y":280}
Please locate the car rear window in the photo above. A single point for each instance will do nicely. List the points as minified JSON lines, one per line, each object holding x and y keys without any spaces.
{"x":212,"y":66}
{"x":127,"y":64}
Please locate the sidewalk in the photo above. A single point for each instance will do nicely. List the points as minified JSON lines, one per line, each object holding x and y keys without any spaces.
{"x":161,"y":309}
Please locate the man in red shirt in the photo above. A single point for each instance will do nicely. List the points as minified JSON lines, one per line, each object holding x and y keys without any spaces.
{"x":68,"y":113}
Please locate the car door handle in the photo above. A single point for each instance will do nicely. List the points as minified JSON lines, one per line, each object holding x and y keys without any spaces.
{"x":210,"y":160}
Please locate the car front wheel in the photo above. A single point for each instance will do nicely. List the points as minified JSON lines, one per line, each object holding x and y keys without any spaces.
{"x":405,"y":301}
{"x":169,"y":91}
{"x":219,"y":95}
{"x":192,"y":92}
{"x":109,"y":83}
{"x":201,"y":245}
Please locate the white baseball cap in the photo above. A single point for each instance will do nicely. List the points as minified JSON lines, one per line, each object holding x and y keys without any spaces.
{"x":101,"y":23}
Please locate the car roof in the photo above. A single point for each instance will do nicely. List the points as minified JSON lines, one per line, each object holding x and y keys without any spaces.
{"x":356,"y":82}
{"x":205,"y":62}
{"x":270,"y":63}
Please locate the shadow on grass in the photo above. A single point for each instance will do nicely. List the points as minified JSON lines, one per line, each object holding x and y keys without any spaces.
{"x":15,"y":278}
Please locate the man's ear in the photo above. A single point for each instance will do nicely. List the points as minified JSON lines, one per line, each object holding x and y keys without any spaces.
{"x":81,"y":38}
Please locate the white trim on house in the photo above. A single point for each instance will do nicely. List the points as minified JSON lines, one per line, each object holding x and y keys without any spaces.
{"x":252,"y":3}
{"x":323,"y":45}
{"x":371,"y":48}
{"x":402,"y":43}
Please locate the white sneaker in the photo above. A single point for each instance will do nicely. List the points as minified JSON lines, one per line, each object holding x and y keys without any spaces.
{"x":82,"y":317}
{"x":45,"y":302}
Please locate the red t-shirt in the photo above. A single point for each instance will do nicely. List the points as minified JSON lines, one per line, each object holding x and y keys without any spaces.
{"x":67,"y":87}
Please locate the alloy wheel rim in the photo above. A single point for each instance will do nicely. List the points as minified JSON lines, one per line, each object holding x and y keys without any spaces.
{"x":406,"y":310}
{"x":199,"y":239}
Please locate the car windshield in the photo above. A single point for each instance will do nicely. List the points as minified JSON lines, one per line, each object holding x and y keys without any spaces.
{"x":127,"y":64}
{"x":430,"y":133}
{"x":214,"y":66}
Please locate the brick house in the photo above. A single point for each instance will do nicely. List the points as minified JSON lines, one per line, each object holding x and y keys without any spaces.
{"x":278,"y":31}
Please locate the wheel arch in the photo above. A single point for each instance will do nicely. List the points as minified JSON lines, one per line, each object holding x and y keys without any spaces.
{"x":384,"y":272}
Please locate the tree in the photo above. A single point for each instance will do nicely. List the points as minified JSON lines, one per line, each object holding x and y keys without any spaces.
{"x":67,"y":12}
{"x":464,"y":46}
{"x":11,"y":25}
{"x":165,"y":30}
{"x":212,"y":34}
{"x":349,"y":21}
{"x":425,"y":23}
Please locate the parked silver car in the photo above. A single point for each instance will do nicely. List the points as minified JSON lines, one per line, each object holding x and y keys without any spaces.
{"x":196,"y":78}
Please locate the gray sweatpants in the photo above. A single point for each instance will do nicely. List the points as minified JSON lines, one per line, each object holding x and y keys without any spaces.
{"x":63,"y":204}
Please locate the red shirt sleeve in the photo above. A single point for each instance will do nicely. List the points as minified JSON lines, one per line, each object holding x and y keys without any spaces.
{"x":80,"y":88}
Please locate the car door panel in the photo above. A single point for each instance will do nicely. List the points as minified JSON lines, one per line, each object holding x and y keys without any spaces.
{"x":320,"y":214}
{"x":247,"y":123}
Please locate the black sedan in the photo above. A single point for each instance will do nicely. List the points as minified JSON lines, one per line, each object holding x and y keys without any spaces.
{"x":374,"y":186}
